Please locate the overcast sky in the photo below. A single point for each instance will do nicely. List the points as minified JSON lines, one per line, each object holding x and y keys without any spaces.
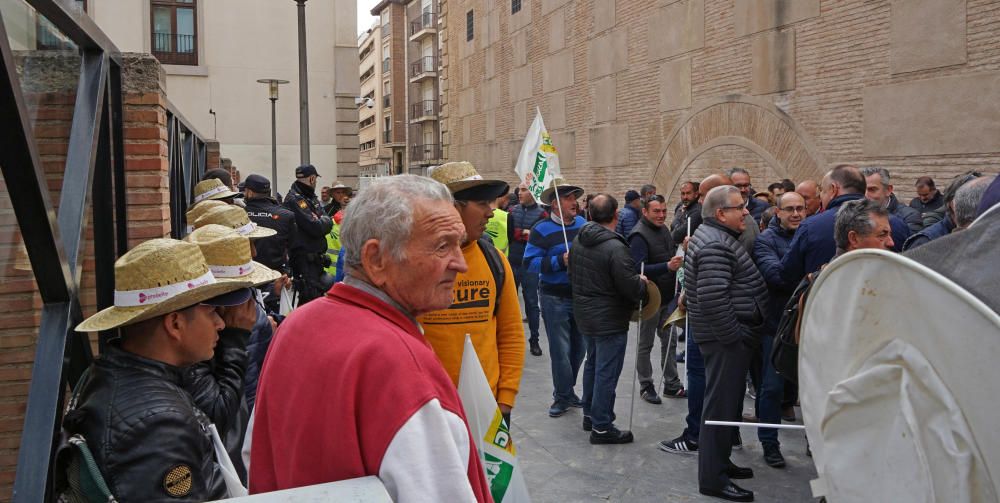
{"x":365,"y":18}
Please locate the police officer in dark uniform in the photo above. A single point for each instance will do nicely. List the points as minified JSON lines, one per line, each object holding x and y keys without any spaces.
{"x":308,"y":251}
{"x":266,"y":212}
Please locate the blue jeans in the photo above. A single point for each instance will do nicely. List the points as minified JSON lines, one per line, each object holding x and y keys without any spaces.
{"x":566,"y":345}
{"x":695,"y":366}
{"x":528,"y":282}
{"x":770,"y":395}
{"x":605,"y":358}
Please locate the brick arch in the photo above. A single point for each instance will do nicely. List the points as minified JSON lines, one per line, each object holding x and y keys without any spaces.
{"x":740,"y":121}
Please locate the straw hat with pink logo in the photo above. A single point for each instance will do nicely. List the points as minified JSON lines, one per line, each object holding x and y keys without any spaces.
{"x":235,"y":218}
{"x":229,"y":256}
{"x":161,"y":276}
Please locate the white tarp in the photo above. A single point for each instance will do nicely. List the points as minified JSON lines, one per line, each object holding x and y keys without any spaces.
{"x":899,"y":373}
{"x":490,"y":432}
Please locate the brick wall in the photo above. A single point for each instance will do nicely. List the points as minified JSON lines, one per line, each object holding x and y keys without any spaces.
{"x":615,"y":78}
{"x":51,"y":107}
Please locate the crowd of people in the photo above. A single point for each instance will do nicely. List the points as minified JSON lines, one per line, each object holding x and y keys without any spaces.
{"x":361,"y":376}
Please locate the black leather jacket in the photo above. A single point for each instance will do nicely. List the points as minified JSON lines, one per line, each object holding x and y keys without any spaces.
{"x":150,"y":440}
{"x":272,"y":251}
{"x":312,"y":223}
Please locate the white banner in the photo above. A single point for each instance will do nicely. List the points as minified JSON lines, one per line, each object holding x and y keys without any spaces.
{"x":538,"y":162}
{"x":490,"y":432}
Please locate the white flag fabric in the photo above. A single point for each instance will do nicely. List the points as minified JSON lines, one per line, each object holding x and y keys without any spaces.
{"x":538,"y":162}
{"x":490,"y":432}
{"x":897,"y":368}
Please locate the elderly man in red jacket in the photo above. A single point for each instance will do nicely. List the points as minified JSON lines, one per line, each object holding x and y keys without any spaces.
{"x":350,"y":387}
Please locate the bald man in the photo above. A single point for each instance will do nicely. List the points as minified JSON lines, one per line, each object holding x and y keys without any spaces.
{"x":809,"y":190}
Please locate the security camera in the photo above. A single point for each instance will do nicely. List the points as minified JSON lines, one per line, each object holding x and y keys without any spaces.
{"x":368,"y":102}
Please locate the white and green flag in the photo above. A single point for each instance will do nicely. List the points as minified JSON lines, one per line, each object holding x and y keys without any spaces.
{"x":538,"y":163}
{"x":490,"y":432}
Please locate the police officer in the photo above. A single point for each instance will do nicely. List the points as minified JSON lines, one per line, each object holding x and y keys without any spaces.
{"x":308,"y":249}
{"x":266,"y":212}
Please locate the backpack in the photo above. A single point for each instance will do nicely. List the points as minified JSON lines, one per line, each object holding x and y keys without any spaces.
{"x":77,"y":478}
{"x":496,"y":267}
{"x":785,"y":350}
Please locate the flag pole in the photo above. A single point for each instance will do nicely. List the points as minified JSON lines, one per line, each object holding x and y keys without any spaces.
{"x":635,"y":368}
{"x":562,"y":219}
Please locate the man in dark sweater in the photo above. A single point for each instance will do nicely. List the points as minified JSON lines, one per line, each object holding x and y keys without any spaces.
{"x":520,"y":219}
{"x":650,"y":244}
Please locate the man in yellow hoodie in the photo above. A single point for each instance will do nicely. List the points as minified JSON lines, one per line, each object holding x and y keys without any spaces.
{"x":484,"y":304}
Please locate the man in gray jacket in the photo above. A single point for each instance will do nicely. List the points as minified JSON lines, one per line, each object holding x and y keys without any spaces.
{"x":606,"y":289}
{"x":727,"y":304}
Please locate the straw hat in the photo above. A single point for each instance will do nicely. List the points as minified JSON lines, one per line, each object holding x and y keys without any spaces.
{"x":652,"y":304}
{"x":678,"y":315}
{"x":161,"y":276}
{"x":564,"y":188}
{"x":229,"y":257}
{"x":236,"y":218}
{"x":465,"y":183}
{"x":213,"y":188}
{"x":199,"y":209}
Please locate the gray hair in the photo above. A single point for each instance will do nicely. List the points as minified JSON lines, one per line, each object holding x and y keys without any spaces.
{"x":856,"y":216}
{"x":737,"y":169}
{"x":716,"y":199}
{"x":967,"y":200}
{"x":881,"y":172}
{"x":384,"y":211}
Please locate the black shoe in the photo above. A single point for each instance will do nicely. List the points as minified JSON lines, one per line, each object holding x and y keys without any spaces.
{"x":737,"y":442}
{"x":649,"y":394}
{"x":788,"y":414}
{"x":535,"y":348}
{"x":732,"y":492}
{"x":680,"y":393}
{"x":680,"y":356}
{"x":773,"y":457}
{"x":679,"y":445}
{"x":739,"y":472}
{"x":558,"y":408}
{"x":576,"y":402}
{"x":611,"y":436}
{"x":587,"y":423}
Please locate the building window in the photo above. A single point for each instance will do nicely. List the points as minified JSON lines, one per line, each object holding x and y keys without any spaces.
{"x":49,"y":37}
{"x":515,"y":6}
{"x":175,"y":33}
{"x":469,"y":28}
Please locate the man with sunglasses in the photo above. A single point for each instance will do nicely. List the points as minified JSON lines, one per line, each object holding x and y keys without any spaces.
{"x":768,"y":250}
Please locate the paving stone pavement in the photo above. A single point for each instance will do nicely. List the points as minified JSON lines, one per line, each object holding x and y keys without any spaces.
{"x":561,"y":466}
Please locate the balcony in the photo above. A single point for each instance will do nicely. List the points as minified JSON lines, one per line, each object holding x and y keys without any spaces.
{"x":387,"y":101}
{"x":175,"y":49}
{"x":427,"y":152}
{"x":369,"y":73}
{"x":423,"y":68}
{"x":386,"y":66}
{"x":424,"y":26}
{"x":386,"y":30}
{"x":423,"y":111}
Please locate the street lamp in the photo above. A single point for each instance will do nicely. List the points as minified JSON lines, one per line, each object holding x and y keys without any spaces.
{"x":272,"y":89}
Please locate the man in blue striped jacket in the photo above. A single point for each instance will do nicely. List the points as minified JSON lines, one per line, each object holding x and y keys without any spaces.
{"x":548,"y":256}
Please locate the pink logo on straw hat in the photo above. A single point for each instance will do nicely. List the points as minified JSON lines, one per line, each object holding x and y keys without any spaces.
{"x":150,"y":297}
{"x":142,"y":298}
{"x":197,"y":283}
{"x":244,"y":270}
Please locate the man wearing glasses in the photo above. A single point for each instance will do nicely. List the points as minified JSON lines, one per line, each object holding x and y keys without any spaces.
{"x":741,"y":180}
{"x":770,"y":246}
{"x":727,"y":305}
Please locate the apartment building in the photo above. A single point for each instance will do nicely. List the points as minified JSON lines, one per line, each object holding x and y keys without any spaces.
{"x":635,"y":92}
{"x":382,"y":70}
{"x":213,"y":52}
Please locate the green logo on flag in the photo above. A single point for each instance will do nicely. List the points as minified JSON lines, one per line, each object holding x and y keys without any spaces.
{"x":498,"y":474}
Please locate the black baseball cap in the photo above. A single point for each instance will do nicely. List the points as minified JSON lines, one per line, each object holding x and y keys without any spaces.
{"x":257,"y":183}
{"x":306,"y":170}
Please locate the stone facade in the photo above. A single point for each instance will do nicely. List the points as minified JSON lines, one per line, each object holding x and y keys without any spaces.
{"x":636,"y":92}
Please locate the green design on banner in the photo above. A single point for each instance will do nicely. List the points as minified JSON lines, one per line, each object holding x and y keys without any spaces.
{"x":498,"y":474}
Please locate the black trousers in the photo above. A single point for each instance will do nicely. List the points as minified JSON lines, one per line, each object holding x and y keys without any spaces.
{"x":726,"y":367}
{"x":308,"y":277}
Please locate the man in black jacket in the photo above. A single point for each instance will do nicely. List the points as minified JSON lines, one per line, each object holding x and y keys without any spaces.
{"x":308,"y":253}
{"x":650,"y":243}
{"x":606,"y":289}
{"x":149,"y":438}
{"x":689,"y":207}
{"x":726,"y":302}
{"x":266,"y":212}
